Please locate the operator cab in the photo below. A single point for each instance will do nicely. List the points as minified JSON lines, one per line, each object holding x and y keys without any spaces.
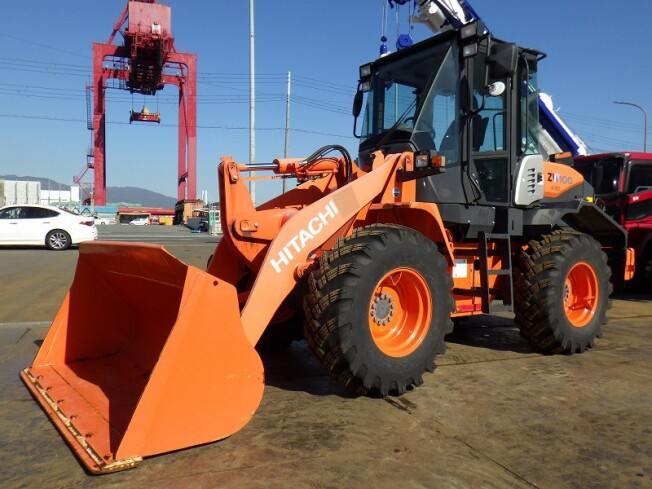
{"x":463,"y":96}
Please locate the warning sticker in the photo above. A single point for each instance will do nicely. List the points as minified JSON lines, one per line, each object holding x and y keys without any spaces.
{"x":460,"y":270}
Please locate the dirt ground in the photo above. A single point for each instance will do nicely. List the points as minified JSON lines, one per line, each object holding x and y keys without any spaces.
{"x":494,"y":413}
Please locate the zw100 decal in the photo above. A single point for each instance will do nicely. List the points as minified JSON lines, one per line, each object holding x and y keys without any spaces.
{"x":557,"y":178}
{"x":298,"y":242}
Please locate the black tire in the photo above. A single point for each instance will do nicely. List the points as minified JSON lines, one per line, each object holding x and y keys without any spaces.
{"x":58,"y":240}
{"x":344,"y":309}
{"x":549,"y":275}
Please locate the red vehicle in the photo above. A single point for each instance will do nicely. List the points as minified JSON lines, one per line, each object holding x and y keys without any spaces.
{"x":623,"y":181}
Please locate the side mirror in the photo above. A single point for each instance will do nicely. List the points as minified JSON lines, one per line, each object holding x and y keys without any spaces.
{"x":502,"y":61}
{"x":357,"y":108}
{"x":357,"y":103}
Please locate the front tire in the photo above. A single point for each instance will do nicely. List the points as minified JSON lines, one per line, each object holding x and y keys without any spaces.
{"x":562,"y":292}
{"x":58,"y":240}
{"x":378,"y":308}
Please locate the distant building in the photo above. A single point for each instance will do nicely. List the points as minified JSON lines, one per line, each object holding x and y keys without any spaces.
{"x":18,"y":192}
{"x":54,"y":197}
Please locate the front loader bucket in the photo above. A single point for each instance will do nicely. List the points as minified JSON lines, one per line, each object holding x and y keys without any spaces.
{"x":146,"y":355}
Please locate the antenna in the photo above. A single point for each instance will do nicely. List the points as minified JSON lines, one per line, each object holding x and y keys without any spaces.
{"x":252,"y":102}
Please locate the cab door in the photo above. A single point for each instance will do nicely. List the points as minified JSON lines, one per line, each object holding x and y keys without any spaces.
{"x":488,"y":133}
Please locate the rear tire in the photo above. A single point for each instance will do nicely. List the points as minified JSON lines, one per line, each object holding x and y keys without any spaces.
{"x":378,"y":308}
{"x":562,"y":292}
{"x":58,"y":240}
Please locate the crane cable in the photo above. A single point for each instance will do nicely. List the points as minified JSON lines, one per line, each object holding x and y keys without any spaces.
{"x":383,"y":29}
{"x":402,"y":40}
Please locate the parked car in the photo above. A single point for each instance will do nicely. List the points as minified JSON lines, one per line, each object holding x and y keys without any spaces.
{"x":139,"y":221}
{"x":101,"y":221}
{"x":44,"y":225}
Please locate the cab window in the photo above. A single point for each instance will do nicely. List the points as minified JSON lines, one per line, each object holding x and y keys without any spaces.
{"x":529,"y":107}
{"x":640,"y":177}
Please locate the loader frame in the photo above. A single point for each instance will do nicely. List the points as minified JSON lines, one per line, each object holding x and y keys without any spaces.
{"x":282,"y":239}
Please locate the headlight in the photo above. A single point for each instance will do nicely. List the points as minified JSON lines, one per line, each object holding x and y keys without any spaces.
{"x":365,"y":71}
{"x":422,"y":161}
{"x":429,"y":160}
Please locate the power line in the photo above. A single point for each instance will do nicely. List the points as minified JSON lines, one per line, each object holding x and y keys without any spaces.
{"x":597,"y":122}
{"x":29,"y":41}
{"x":56,"y":68}
{"x":198,"y":126}
{"x":324,"y":82}
{"x":209,"y":98}
{"x":234,"y":76}
{"x":71,"y":94}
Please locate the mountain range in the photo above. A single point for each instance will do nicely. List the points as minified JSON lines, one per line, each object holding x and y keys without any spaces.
{"x":132,"y":195}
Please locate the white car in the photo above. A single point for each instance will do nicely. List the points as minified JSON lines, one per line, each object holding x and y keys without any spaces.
{"x":101,"y":221}
{"x":44,"y":225}
{"x":139,"y":221}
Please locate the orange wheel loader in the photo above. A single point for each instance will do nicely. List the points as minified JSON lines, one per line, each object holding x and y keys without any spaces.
{"x":449,"y":211}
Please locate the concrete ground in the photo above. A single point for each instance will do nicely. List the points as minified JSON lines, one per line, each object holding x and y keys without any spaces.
{"x":494,"y":414}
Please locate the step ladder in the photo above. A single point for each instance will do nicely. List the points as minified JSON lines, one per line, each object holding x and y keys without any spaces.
{"x":504,"y":296}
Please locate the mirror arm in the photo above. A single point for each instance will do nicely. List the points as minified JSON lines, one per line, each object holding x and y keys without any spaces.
{"x":355,"y":128}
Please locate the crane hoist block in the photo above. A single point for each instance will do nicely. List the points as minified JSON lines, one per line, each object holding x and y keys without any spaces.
{"x":149,"y":19}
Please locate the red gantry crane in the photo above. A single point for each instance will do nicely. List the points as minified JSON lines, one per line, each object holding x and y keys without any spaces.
{"x":145,"y":62}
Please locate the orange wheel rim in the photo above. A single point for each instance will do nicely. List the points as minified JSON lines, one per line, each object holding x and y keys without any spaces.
{"x":400,"y":312}
{"x":581,"y":294}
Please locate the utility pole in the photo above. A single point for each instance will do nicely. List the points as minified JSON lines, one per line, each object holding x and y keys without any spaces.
{"x":252,"y":102}
{"x":644,"y":122}
{"x":287,"y":126}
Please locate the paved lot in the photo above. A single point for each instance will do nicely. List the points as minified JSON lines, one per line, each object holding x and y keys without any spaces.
{"x":494,"y":414}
